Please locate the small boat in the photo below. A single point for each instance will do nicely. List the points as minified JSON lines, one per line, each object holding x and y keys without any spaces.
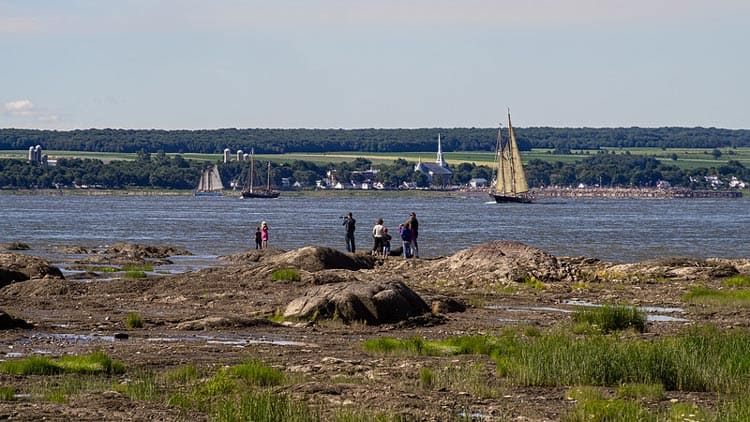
{"x":210,"y":183}
{"x":510,"y":184}
{"x":251,"y":191}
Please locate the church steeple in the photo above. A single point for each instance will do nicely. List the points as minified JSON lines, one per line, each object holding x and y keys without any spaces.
{"x":440,"y":160}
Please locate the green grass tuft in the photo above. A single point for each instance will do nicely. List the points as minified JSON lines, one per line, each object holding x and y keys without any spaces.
{"x":257,"y":373}
{"x":708,"y":296}
{"x":285,"y":274}
{"x":7,"y":393}
{"x":135,"y":274}
{"x":612,"y":318}
{"x":133,"y":320}
{"x":740,"y":280}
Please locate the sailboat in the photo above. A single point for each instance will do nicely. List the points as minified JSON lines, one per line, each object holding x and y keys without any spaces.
{"x":510,"y":185}
{"x":210,"y":183}
{"x":251,"y":191}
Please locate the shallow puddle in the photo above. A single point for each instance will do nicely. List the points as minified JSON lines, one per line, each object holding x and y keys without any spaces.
{"x":653,"y":313}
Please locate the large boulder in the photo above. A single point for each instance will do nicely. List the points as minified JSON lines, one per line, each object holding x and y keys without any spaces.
{"x":372,"y":303}
{"x":17,"y":267}
{"x":8,"y":322}
{"x":502,"y":261}
{"x":317,"y":258}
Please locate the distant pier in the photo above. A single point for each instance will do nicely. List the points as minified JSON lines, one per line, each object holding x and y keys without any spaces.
{"x":644,"y":193}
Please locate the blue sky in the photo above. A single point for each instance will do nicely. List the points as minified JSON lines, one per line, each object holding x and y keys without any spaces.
{"x":192,"y":64}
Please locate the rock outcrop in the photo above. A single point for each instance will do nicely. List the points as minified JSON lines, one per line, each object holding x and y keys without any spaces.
{"x":371,"y":303}
{"x":17,"y":267}
{"x":7,"y":322}
{"x":317,"y":258}
{"x":501,"y":262}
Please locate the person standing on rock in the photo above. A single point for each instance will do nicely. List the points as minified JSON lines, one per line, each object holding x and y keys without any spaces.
{"x":258,"y":238}
{"x":406,"y":238}
{"x":414,"y":225}
{"x":264,"y":235}
{"x":349,"y":225}
{"x":377,"y":235}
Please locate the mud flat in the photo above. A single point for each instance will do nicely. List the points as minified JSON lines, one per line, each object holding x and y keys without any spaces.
{"x":310,"y":313}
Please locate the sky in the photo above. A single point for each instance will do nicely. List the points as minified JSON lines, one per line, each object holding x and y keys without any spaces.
{"x":197,"y":64}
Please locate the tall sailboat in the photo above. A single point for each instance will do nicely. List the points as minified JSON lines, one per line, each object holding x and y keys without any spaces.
{"x":210,"y":183}
{"x":253,"y":192}
{"x":510,"y":185}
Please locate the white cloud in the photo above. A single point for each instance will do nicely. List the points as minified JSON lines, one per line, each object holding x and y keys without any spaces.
{"x":19,"y":108}
{"x":26,"y":109}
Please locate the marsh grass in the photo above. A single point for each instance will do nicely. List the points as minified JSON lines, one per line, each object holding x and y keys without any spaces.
{"x":740,"y":280}
{"x":92,"y":363}
{"x":452,"y":346}
{"x":285,"y":274}
{"x":612,"y":318}
{"x":470,"y":377}
{"x":141,"y":268}
{"x":7,"y":393}
{"x":257,"y":373}
{"x":57,"y":389}
{"x":708,"y":296}
{"x":533,"y":282}
{"x":701,"y":359}
{"x":591,"y":405}
{"x":106,"y":269}
{"x":133,"y":320}
{"x":643,"y":392}
{"x":182,"y":374}
{"x":135,"y":274}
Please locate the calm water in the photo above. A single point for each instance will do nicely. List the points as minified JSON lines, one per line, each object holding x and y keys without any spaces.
{"x":616,"y":230}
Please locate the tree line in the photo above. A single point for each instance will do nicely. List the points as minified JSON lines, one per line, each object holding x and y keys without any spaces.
{"x":365,"y":140}
{"x":161,"y":171}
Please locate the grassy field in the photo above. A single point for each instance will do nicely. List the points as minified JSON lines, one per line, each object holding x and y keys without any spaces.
{"x":685,"y":158}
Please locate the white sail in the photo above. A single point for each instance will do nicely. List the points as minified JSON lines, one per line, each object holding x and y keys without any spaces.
{"x":210,"y":181}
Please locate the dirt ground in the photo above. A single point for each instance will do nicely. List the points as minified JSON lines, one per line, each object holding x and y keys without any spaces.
{"x":219,"y":316}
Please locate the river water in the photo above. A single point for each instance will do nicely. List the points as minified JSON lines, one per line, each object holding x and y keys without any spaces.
{"x":620,"y":230}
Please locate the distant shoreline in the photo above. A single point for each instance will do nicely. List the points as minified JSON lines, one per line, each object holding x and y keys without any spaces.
{"x":568,"y":193}
{"x":645,"y":193}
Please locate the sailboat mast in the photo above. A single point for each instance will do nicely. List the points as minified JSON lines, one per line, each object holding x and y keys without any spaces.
{"x":268,"y":182}
{"x":252,"y":167}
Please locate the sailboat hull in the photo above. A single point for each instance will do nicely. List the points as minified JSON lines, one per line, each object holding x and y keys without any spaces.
{"x":260,"y":194}
{"x":512,"y":199}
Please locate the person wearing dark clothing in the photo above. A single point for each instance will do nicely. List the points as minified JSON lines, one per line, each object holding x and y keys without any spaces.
{"x":349,"y":225}
{"x":414,"y":223}
{"x":406,"y":238}
{"x":258,"y":238}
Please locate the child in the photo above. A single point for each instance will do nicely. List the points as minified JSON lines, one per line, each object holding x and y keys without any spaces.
{"x":258,"y":238}
{"x":264,"y":235}
{"x":406,"y":238}
{"x":386,"y":243}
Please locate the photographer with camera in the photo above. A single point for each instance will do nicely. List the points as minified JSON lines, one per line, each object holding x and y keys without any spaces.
{"x":349,"y":225}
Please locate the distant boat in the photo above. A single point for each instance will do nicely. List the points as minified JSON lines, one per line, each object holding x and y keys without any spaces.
{"x":210,"y":183}
{"x":251,"y":191}
{"x":510,"y":185}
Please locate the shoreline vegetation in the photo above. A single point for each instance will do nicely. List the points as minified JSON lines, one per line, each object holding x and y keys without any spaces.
{"x":541,"y":193}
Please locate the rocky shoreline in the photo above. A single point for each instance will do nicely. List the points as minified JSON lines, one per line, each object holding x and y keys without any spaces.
{"x":312,"y":322}
{"x":643,"y":193}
